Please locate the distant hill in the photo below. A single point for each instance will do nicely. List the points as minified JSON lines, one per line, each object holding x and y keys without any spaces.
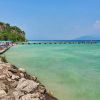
{"x":89,"y":37}
{"x":13,"y":33}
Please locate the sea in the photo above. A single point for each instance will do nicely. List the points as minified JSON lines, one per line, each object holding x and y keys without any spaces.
{"x":69,"y":71}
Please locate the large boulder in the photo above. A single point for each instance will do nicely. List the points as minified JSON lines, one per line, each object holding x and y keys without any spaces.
{"x":26,"y":85}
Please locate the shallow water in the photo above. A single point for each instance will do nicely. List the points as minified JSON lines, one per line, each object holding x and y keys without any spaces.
{"x":70,"y":71}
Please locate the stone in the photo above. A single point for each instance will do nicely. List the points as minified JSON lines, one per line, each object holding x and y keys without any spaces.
{"x":26,"y":85}
{"x":29,"y":97}
{"x":2,"y":86}
{"x":22,"y":75}
{"x":12,"y":70}
{"x":22,"y":70}
{"x":9,"y":74}
{"x":15,"y":77}
{"x":5,"y":70}
{"x":8,"y":79}
{"x":41,"y":89}
{"x":8,"y":65}
{"x":2,"y":76}
{"x":14,"y":84}
{"x":34,"y":78}
{"x":17,"y":94}
{"x":2,"y":93}
{"x":1,"y":67}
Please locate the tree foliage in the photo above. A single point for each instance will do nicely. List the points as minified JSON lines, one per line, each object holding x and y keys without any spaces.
{"x":12,"y":33}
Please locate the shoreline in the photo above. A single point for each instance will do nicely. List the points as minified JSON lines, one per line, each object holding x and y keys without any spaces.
{"x":17,"y":84}
{"x":4,"y":50}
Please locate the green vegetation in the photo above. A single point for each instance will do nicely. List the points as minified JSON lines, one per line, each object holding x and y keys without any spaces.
{"x":12,"y":33}
{"x":3,"y":59}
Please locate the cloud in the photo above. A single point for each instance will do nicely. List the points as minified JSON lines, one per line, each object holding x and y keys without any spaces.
{"x":97,"y":25}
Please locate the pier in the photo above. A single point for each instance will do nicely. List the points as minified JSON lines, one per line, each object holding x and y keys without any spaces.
{"x":59,"y":42}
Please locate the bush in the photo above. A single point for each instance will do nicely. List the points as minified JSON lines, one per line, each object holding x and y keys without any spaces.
{"x":3,"y":59}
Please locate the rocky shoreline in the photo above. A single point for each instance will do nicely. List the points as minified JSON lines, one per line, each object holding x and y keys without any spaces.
{"x":4,"y":49}
{"x":16,"y":84}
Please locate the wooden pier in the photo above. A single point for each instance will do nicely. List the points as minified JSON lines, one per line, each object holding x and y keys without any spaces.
{"x":66,"y":42}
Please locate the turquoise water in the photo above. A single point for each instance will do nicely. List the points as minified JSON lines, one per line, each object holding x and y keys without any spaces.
{"x":70,"y":71}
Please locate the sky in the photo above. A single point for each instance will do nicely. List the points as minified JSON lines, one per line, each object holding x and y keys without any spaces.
{"x":52,"y":19}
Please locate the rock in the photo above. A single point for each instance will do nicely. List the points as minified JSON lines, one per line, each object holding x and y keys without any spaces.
{"x":2,"y":93}
{"x":34,"y":78}
{"x":42,"y":97}
{"x":26,"y":85}
{"x":41,"y":89}
{"x":1,"y":67}
{"x":15,"y":77}
{"x":2,"y":76}
{"x":17,"y":94}
{"x":12,"y":70}
{"x":22,"y":75}
{"x":9,"y":74}
{"x":2,"y":86}
{"x":14,"y":84}
{"x":30,"y":97}
{"x":22,"y":70}
{"x":9,"y":79}
{"x":5,"y":70}
{"x":8,"y":65}
{"x":36,"y":99}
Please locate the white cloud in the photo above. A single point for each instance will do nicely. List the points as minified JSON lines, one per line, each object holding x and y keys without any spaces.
{"x":97,"y":24}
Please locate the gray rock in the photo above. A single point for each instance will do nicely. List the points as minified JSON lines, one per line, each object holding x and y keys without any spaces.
{"x":8,"y":65}
{"x":14,"y":84}
{"x":26,"y":85}
{"x":22,"y":75}
{"x":9,"y":74}
{"x":22,"y":70}
{"x":29,"y":97}
{"x":2,"y":76}
{"x":1,"y":67}
{"x":2,"y":86}
{"x":41,"y":89}
{"x":14,"y":77}
{"x":11,"y":69}
{"x":8,"y":79}
{"x":17,"y":94}
{"x":2,"y":93}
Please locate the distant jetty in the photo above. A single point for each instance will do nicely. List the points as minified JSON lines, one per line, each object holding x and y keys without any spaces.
{"x":16,"y":84}
{"x":60,"y":42}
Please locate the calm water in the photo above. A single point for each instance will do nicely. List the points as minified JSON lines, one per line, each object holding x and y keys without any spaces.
{"x":70,"y":71}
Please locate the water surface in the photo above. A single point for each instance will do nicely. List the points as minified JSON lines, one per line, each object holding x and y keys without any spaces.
{"x":70,"y":71}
